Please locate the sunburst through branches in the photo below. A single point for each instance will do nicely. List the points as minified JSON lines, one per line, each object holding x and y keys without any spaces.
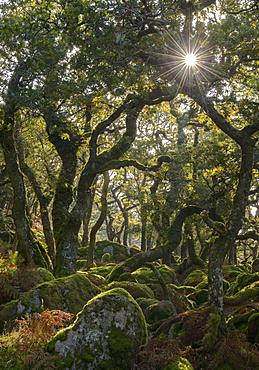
{"x":188,"y":62}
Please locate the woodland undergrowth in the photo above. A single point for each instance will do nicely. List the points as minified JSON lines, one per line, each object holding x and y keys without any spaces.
{"x":24,"y":347}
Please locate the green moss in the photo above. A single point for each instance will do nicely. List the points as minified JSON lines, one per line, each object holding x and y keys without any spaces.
{"x":87,"y":357}
{"x":106,"y":257}
{"x":66,"y":294}
{"x":239,"y":322}
{"x":61,"y":336}
{"x":69,"y":360}
{"x":211,"y":329}
{"x":10,"y":358}
{"x":195,"y":277}
{"x":104,"y":365}
{"x":102,"y":270}
{"x":44,"y":274}
{"x":180,"y":364}
{"x":143,"y":275}
{"x":118,"y":343}
{"x":185,"y":289}
{"x":146,"y":275}
{"x":120,"y":349}
{"x":7,"y":316}
{"x":254,"y":316}
{"x":118,"y":252}
{"x":200,"y":296}
{"x":126,"y":276}
{"x":135,"y":289}
{"x":159,"y":311}
{"x":242,"y":281}
{"x":81,"y":265}
{"x":146,"y":302}
{"x":82,"y":252}
{"x":167,"y":273}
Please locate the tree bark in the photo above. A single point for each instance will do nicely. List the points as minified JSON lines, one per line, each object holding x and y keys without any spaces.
{"x":43,"y":201}
{"x":99,"y":222}
{"x":195,"y":260}
{"x":27,"y":245}
{"x":226,"y":241}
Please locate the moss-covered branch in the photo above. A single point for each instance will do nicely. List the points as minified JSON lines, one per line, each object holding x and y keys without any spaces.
{"x":117,"y":164}
{"x":215,"y":225}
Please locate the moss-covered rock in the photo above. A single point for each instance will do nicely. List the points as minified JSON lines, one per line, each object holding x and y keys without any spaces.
{"x":146,"y":275}
{"x":106,"y":334}
{"x":43,"y":275}
{"x":250,"y":292}
{"x":117,"y":252}
{"x":81,"y":265}
{"x":184,"y":289}
{"x":96,"y":279}
{"x":200,"y":296}
{"x":195,"y":277}
{"x":242,"y":281}
{"x":135,"y":289}
{"x":204,"y":285}
{"x":102,"y":270}
{"x":230,"y":272}
{"x":106,"y":257}
{"x":255,"y":265}
{"x":144,"y":303}
{"x":239,"y":321}
{"x":67,"y":294}
{"x":159,"y":311}
{"x":180,"y":364}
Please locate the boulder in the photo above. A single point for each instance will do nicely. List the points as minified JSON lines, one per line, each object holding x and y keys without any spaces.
{"x":159,"y":311}
{"x":243,"y":280}
{"x":145,"y":275}
{"x":67,"y":294}
{"x":118,"y":252}
{"x":105,"y":335}
{"x":137,"y":290}
{"x":195,"y":277}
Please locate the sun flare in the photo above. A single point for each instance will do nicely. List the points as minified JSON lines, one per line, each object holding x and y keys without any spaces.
{"x":190,"y":60}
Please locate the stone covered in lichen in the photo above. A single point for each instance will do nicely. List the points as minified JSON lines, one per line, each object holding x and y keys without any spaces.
{"x":67,"y":294}
{"x":106,"y":334}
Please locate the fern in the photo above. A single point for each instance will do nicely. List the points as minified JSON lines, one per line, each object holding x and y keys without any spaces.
{"x":8,"y":273}
{"x":38,"y":359}
{"x":35,"y":330}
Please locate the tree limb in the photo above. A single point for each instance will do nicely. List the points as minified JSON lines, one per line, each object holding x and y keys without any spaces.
{"x":217,"y":226}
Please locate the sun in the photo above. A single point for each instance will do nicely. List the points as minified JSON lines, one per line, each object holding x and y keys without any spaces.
{"x":190,"y":60}
{"x":187,"y":61}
